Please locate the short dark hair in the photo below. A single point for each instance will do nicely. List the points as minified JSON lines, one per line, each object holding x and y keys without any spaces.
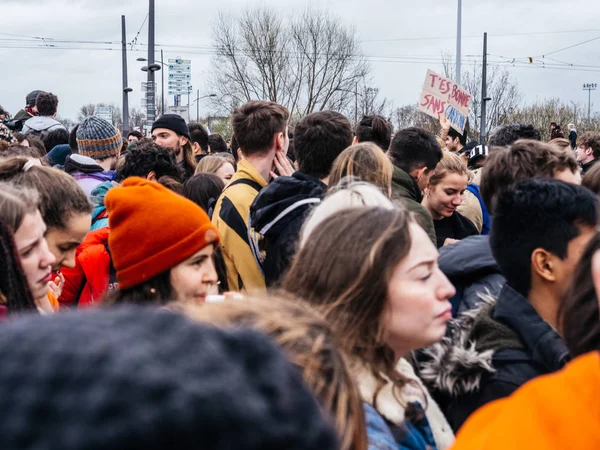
{"x":198,"y":134}
{"x":414,"y":148}
{"x":217,"y":144}
{"x":319,"y":138}
{"x":462,"y":138}
{"x":509,"y":134}
{"x":590,"y":140}
{"x":523,"y":160}
{"x":256,"y":123}
{"x":146,"y":158}
{"x":55,"y":137}
{"x":374,"y":129}
{"x":135,"y":133}
{"x":73,"y":140}
{"x":204,"y":189}
{"x":535,"y":214}
{"x":47,"y":104}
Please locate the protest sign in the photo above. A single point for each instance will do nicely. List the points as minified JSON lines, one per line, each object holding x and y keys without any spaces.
{"x":441,"y":95}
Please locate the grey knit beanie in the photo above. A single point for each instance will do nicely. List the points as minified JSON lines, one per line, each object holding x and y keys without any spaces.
{"x":98,"y":138}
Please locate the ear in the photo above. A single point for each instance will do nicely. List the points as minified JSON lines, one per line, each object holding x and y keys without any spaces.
{"x":355,"y":140}
{"x":418,"y":173}
{"x":183,"y":140}
{"x":151,"y":176}
{"x":542,"y":264}
{"x":279,"y":141}
{"x":196,"y":148}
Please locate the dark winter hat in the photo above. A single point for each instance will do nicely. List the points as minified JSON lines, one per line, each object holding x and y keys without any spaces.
{"x":172,"y":122}
{"x":98,"y":138}
{"x":143,"y":379}
{"x":58,"y":155}
{"x":32,"y":97}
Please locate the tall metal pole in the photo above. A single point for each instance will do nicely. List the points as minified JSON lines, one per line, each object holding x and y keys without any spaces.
{"x":590,"y":87}
{"x":356,"y":104}
{"x":198,"y":105}
{"x":484,"y":98}
{"x":162,"y":77}
{"x":151,"y":108}
{"x":125,"y":88}
{"x":458,"y":42}
{"x":589,"y":105}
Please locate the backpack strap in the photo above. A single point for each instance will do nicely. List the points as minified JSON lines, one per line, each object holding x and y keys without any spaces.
{"x":257,"y":187}
{"x":485,"y":229}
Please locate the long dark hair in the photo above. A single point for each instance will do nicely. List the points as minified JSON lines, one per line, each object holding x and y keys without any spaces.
{"x":155,"y":291}
{"x":579,"y":314}
{"x":344,"y":269}
{"x":14,"y":289}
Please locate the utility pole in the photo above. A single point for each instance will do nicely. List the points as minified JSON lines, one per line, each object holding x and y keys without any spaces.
{"x":162,"y":80}
{"x":152,"y":67}
{"x":590,"y":87}
{"x":458,"y":41}
{"x":484,"y":97}
{"x":126,"y":89}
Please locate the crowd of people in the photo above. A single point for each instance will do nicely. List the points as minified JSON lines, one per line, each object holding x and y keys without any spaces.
{"x":351,"y":287}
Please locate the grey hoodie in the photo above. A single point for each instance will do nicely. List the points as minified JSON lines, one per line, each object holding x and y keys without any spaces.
{"x":39,"y":124}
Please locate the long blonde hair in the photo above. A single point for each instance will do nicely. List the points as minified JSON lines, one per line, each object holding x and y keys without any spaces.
{"x":366,"y":162}
{"x":309,"y":343}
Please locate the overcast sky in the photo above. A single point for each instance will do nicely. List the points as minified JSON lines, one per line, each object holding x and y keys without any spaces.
{"x":402,"y":39}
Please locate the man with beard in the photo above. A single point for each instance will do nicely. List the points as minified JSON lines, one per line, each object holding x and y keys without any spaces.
{"x":171,"y":131}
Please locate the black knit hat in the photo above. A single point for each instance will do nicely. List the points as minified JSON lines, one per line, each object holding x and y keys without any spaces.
{"x":32,"y":97}
{"x":172,"y":122}
{"x":140,"y":379}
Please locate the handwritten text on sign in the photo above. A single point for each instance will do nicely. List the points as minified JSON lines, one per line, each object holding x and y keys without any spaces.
{"x":441,"y":95}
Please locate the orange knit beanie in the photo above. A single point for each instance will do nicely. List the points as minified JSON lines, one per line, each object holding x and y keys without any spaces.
{"x":152,"y":229}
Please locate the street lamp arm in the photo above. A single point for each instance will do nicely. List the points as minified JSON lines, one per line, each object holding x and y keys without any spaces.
{"x":204,"y":96}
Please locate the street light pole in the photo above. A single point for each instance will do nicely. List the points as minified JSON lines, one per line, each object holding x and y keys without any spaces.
{"x":162,"y":80}
{"x":590,"y":87}
{"x":151,"y":107}
{"x":484,"y":97}
{"x":198,"y":105}
{"x":458,"y":41}
{"x":126,"y":90}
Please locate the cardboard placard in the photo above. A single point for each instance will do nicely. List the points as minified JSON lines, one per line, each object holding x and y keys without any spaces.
{"x":441,"y":95}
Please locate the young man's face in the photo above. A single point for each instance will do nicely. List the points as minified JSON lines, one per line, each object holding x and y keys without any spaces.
{"x":452,"y":143}
{"x":584,"y":154}
{"x":169,"y":139}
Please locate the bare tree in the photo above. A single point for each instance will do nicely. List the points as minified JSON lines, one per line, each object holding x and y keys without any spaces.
{"x":501,"y":88}
{"x":137,"y":117}
{"x":86,"y":111}
{"x":305,"y":63}
{"x":410,"y":116}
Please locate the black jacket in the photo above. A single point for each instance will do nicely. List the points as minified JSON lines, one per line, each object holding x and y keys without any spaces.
{"x":277,"y":215}
{"x":456,"y":226}
{"x":489,"y":353}
{"x":573,"y":138}
{"x":587,"y":166}
{"x":472,"y":269}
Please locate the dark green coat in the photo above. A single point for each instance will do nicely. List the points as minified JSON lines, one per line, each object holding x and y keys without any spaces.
{"x":405,"y":191}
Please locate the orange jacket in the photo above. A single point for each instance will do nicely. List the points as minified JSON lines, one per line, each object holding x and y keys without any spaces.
{"x":87,"y":283}
{"x":557,"y":411}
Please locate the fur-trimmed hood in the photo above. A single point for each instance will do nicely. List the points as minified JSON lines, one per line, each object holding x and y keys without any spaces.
{"x":456,"y":365}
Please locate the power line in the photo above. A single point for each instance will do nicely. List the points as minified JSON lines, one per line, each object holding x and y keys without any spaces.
{"x":135,"y":39}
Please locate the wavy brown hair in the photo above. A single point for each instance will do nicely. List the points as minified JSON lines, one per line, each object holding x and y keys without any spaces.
{"x":579,"y":314}
{"x":344,"y":269}
{"x":309,"y":343}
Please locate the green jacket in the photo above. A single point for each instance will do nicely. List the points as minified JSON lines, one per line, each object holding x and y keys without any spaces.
{"x":405,"y":191}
